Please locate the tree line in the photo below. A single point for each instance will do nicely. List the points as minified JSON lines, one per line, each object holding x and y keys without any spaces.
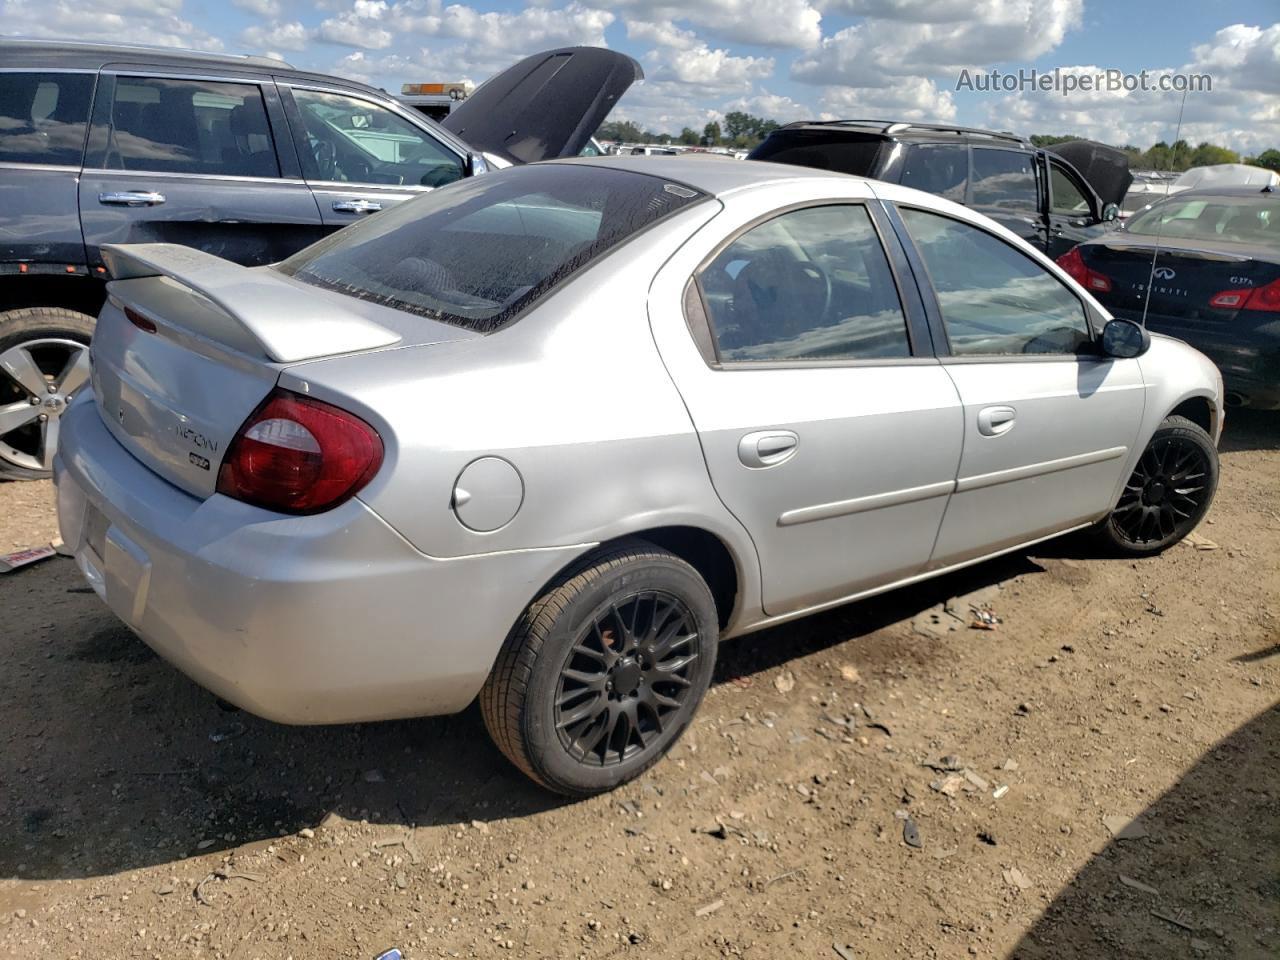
{"x":742,"y":131}
{"x":1177,"y":156}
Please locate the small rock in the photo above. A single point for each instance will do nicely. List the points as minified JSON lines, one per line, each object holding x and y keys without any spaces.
{"x":374,"y":776}
{"x":850,"y":673}
{"x":911,"y":834}
{"x":402,"y":882}
{"x":976,"y":780}
{"x":785,"y":682}
{"x":306,"y":833}
{"x":205,"y":844}
{"x":1124,"y":828}
{"x":1016,"y":878}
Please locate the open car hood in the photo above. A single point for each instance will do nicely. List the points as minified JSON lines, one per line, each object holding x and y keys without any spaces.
{"x":1103,"y":168}
{"x":546,"y":106}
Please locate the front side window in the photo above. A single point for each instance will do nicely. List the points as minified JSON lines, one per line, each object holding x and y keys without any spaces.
{"x":350,"y":140}
{"x":479,"y":253}
{"x":43,"y":116}
{"x":1004,"y":179}
{"x":995,"y":299}
{"x":941,"y":168}
{"x":190,"y":126}
{"x":812,"y":284}
{"x":1067,"y":196}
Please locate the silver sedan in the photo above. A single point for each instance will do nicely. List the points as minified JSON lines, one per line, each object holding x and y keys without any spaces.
{"x":547,"y":436}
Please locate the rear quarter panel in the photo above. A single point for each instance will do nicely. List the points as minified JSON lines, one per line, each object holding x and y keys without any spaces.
{"x":574,"y":395}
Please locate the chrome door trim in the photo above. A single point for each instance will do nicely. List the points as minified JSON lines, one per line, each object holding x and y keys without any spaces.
{"x":47,"y":167}
{"x":893,"y":498}
{"x":234,"y":178}
{"x":965,"y":484}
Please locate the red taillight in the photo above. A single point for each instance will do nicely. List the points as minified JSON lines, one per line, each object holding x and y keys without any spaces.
{"x":299,"y":455}
{"x":1250,"y":298}
{"x":1074,"y":264}
{"x":139,"y":321}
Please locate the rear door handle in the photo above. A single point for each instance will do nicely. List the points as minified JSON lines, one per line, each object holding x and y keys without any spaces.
{"x":994,"y":421}
{"x":131,"y":198}
{"x":356,"y":206}
{"x":767,"y":448}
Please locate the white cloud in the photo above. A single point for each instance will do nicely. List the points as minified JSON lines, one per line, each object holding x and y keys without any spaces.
{"x":135,"y":21}
{"x":359,"y":26}
{"x":772,"y":106}
{"x":770,"y":23}
{"x":525,"y":30}
{"x":662,"y":33}
{"x":1246,"y":58}
{"x":280,"y":36}
{"x":268,"y":9}
{"x":909,"y":98}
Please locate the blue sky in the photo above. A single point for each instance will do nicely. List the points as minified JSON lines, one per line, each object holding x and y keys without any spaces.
{"x":786,"y":59}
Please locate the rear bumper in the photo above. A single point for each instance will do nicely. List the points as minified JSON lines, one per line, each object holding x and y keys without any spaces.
{"x":331,"y":618}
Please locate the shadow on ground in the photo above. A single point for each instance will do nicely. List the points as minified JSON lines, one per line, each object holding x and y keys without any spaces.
{"x":1211,"y":860}
{"x":112,"y":760}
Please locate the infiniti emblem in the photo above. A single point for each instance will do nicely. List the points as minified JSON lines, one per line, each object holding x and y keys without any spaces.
{"x":1163,"y":273}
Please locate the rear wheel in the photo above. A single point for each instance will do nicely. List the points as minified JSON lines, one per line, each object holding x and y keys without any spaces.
{"x":1169,"y":492}
{"x":44,"y":362}
{"x":604,"y":671}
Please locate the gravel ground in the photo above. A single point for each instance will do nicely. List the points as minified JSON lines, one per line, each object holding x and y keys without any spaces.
{"x":835,"y":798}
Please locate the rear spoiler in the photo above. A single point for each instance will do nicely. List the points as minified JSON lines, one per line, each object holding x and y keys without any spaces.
{"x":288,"y":321}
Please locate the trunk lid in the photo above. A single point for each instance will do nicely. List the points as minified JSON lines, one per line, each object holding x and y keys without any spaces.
{"x":188,"y":345}
{"x":1186,"y":277}
{"x":546,"y":106}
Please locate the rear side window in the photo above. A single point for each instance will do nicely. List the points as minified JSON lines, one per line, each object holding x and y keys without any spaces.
{"x":1067,"y":196}
{"x":841,"y":152}
{"x":43,"y":116}
{"x":940,"y":168}
{"x":1004,"y":179}
{"x":190,"y":126}
{"x":994,"y":299}
{"x":478,"y":252}
{"x":812,"y":284}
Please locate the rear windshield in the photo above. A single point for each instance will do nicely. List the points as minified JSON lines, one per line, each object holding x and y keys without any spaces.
{"x":478,"y":252}
{"x":841,"y":152}
{"x":1237,"y":219}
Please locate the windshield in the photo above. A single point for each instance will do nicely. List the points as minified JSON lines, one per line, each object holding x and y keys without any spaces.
{"x":1237,"y":219}
{"x":480,"y":251}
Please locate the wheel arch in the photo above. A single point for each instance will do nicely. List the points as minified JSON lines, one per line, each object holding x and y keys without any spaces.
{"x":1200,"y":410}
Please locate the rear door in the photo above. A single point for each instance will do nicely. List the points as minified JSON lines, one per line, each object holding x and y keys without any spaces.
{"x":194,"y":161}
{"x":360,"y":156}
{"x":43,"y":116}
{"x":1005,"y":185}
{"x":1072,"y":218}
{"x":1048,"y":420}
{"x":829,"y":429}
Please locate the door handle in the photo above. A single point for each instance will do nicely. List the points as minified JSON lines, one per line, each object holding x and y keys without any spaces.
{"x":132,"y":198}
{"x":995,"y":421}
{"x":356,"y":206}
{"x":767,"y":448}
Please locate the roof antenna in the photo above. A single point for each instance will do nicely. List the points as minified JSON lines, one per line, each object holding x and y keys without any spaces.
{"x":1151,"y":275}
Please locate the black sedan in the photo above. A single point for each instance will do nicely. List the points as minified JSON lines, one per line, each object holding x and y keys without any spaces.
{"x":1202,"y":266}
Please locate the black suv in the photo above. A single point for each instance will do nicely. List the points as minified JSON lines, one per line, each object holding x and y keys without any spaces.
{"x":243,"y":157}
{"x":1053,"y":199}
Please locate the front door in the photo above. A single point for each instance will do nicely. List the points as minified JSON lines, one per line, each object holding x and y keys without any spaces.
{"x":1072,"y":219}
{"x":1006,"y":187}
{"x":194,"y":162}
{"x":1048,"y":420}
{"x":825,"y":434}
{"x":360,"y":157}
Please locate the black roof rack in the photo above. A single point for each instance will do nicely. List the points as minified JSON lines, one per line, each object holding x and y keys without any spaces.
{"x":901,"y":126}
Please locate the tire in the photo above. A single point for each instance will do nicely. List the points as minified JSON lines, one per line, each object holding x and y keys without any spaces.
{"x":44,"y":340}
{"x":1153,"y":514}
{"x":570,"y":656}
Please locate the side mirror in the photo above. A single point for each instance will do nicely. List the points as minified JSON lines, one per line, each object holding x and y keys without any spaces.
{"x":476,"y":164}
{"x":1125,"y":339}
{"x":1110,"y":212}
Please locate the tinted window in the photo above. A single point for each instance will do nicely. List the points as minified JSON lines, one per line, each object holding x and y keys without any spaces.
{"x":43,"y":116}
{"x":190,"y":126}
{"x":1004,"y":179}
{"x":356,"y":141}
{"x":1240,"y":219}
{"x":1067,"y":196}
{"x":841,"y":152}
{"x":994,"y":299}
{"x":938,"y":168}
{"x":479,"y":252}
{"x":813,"y":284}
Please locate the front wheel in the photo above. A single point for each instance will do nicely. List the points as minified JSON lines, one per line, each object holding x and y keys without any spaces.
{"x":604,"y":671}
{"x":1168,"y":493}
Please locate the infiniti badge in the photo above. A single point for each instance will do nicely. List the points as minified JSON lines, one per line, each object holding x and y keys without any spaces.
{"x":1163,"y":273}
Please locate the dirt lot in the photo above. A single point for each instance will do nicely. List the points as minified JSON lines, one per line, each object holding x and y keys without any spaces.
{"x":139,"y":819}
